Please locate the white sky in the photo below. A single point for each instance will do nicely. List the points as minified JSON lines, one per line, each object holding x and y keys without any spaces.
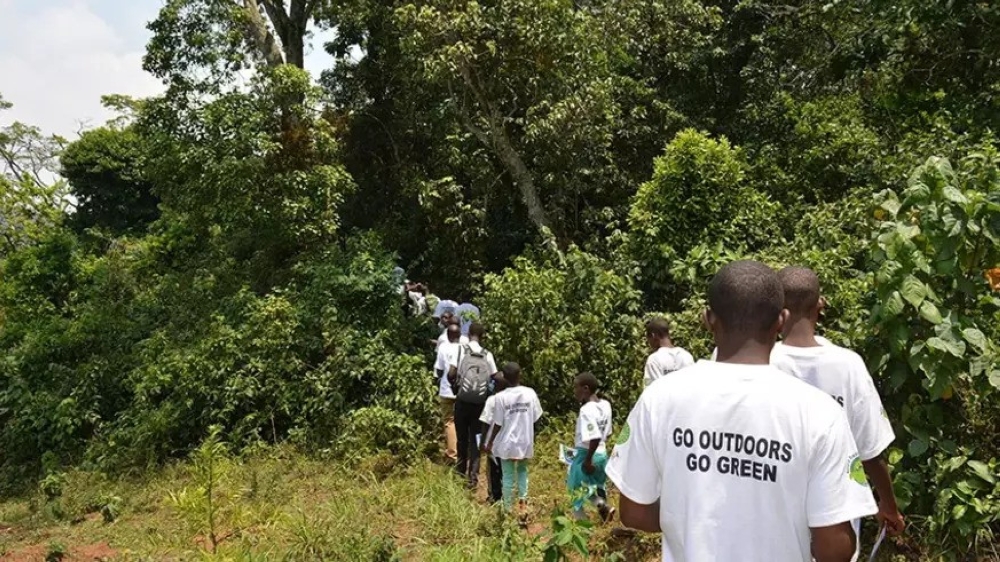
{"x":58,"y":57}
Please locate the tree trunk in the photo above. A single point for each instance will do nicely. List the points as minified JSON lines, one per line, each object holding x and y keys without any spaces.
{"x":523,"y":178}
{"x":260,"y":36}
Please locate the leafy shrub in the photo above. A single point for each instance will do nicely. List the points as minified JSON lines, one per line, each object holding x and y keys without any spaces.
{"x":559,"y":315}
{"x":930,"y":346}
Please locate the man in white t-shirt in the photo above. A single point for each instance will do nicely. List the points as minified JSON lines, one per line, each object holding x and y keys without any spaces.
{"x":735,"y":460}
{"x":448,"y":354}
{"x":842,"y":374}
{"x":666,"y":358}
{"x":468,"y":428}
{"x":447,"y":319}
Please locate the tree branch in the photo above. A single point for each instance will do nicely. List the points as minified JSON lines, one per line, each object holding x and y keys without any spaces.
{"x":260,"y":36}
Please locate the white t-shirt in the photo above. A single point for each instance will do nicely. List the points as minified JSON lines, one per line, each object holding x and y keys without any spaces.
{"x":664,"y":361}
{"x":516,"y":410}
{"x":443,"y":339}
{"x":744,"y":460}
{"x":488,"y":409}
{"x":778,"y":361}
{"x":447,"y":355}
{"x":594,"y":422}
{"x":842,"y":374}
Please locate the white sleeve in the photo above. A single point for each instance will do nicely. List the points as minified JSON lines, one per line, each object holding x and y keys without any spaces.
{"x":635,"y":465}
{"x":442,"y":362}
{"x":491,"y":363}
{"x":457,"y":357}
{"x":871,"y":428}
{"x":686,"y":359}
{"x":649,"y":373}
{"x":498,"y":411}
{"x":487,"y":416}
{"x":589,"y":430}
{"x":537,"y":405}
{"x":838,"y":488}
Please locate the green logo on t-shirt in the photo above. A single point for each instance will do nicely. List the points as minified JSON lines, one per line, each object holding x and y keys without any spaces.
{"x":624,"y":434}
{"x":857,"y":472}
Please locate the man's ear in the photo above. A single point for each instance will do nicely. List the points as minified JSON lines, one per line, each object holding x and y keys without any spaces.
{"x":782,"y":319}
{"x":822,"y":305}
{"x":708,"y":320}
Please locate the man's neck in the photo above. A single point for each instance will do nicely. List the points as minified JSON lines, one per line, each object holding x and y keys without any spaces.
{"x":666,"y":343}
{"x":800,"y":332}
{"x":744,"y":351}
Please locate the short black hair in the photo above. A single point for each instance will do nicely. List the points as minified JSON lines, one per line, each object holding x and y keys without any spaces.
{"x":588,"y":380}
{"x":453,"y":321}
{"x":658,"y":327}
{"x":499,"y":382}
{"x":746,"y":296}
{"x":454,"y":329}
{"x":511,"y":372}
{"x":801,"y":286}
{"x":477,"y":330}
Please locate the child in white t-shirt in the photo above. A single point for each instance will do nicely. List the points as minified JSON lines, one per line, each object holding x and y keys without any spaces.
{"x":494,"y":470}
{"x":512,"y":439}
{"x":666,"y":357}
{"x":586,"y":479}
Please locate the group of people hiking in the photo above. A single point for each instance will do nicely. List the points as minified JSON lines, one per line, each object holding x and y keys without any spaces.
{"x":762,"y":453}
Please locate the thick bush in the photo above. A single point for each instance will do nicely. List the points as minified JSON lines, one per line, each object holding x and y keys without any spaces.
{"x":558,"y":315}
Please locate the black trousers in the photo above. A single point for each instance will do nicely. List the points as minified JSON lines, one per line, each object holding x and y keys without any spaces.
{"x":467,"y":427}
{"x":496,"y":479}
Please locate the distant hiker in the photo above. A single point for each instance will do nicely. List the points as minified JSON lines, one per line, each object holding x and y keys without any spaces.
{"x":448,"y":354}
{"x":470,"y":377}
{"x":495,"y":490}
{"x":467,"y":313}
{"x":735,"y":460}
{"x":586,"y":479}
{"x":512,"y":439}
{"x":446,"y":318}
{"x":666,"y":357}
{"x":842,"y":374}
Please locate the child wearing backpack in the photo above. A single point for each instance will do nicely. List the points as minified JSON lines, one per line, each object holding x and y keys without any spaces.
{"x":469,"y":375}
{"x":586,"y":479}
{"x":512,"y":438}
{"x":494,"y":470}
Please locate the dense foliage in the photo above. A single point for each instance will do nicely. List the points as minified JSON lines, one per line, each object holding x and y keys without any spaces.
{"x":571,"y":166}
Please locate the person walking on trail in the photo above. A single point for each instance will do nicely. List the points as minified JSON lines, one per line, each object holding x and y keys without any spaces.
{"x":586,"y":479}
{"x":842,"y":374}
{"x":512,"y":437}
{"x":494,"y":492}
{"x":447,"y":319}
{"x":734,"y":459}
{"x":446,"y":355}
{"x":470,"y":376}
{"x":665,"y":357}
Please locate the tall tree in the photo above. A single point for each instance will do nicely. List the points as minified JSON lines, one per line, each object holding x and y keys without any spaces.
{"x":204,"y":43}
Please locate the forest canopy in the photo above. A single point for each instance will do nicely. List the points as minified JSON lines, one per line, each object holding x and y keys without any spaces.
{"x":223,"y":254}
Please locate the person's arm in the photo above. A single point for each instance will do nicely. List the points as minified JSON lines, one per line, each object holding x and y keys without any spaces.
{"x":499,"y":418}
{"x":836,"y":543}
{"x":888,"y":511}
{"x":873,"y":435}
{"x":641,"y":517}
{"x":837,"y":491}
{"x":635,"y":470}
{"x":588,"y":462}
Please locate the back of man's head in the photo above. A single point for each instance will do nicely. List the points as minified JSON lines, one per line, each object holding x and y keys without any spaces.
{"x":801,"y":287}
{"x":658,"y":328}
{"x":454,"y":332}
{"x":746,"y":298}
{"x":477,"y":331}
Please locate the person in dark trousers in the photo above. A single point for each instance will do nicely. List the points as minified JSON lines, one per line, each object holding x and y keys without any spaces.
{"x":495,"y":491}
{"x":470,"y":376}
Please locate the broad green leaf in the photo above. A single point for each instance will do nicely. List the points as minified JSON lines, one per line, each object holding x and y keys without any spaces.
{"x":958,"y":511}
{"x":917,"y":447}
{"x":913,"y":290}
{"x":995,"y":379}
{"x":983,"y":471}
{"x":893,"y":305}
{"x":953,"y":194}
{"x":930,"y":313}
{"x":976,"y":338}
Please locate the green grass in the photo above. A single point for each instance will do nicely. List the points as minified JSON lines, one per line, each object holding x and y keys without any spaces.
{"x":281,"y":505}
